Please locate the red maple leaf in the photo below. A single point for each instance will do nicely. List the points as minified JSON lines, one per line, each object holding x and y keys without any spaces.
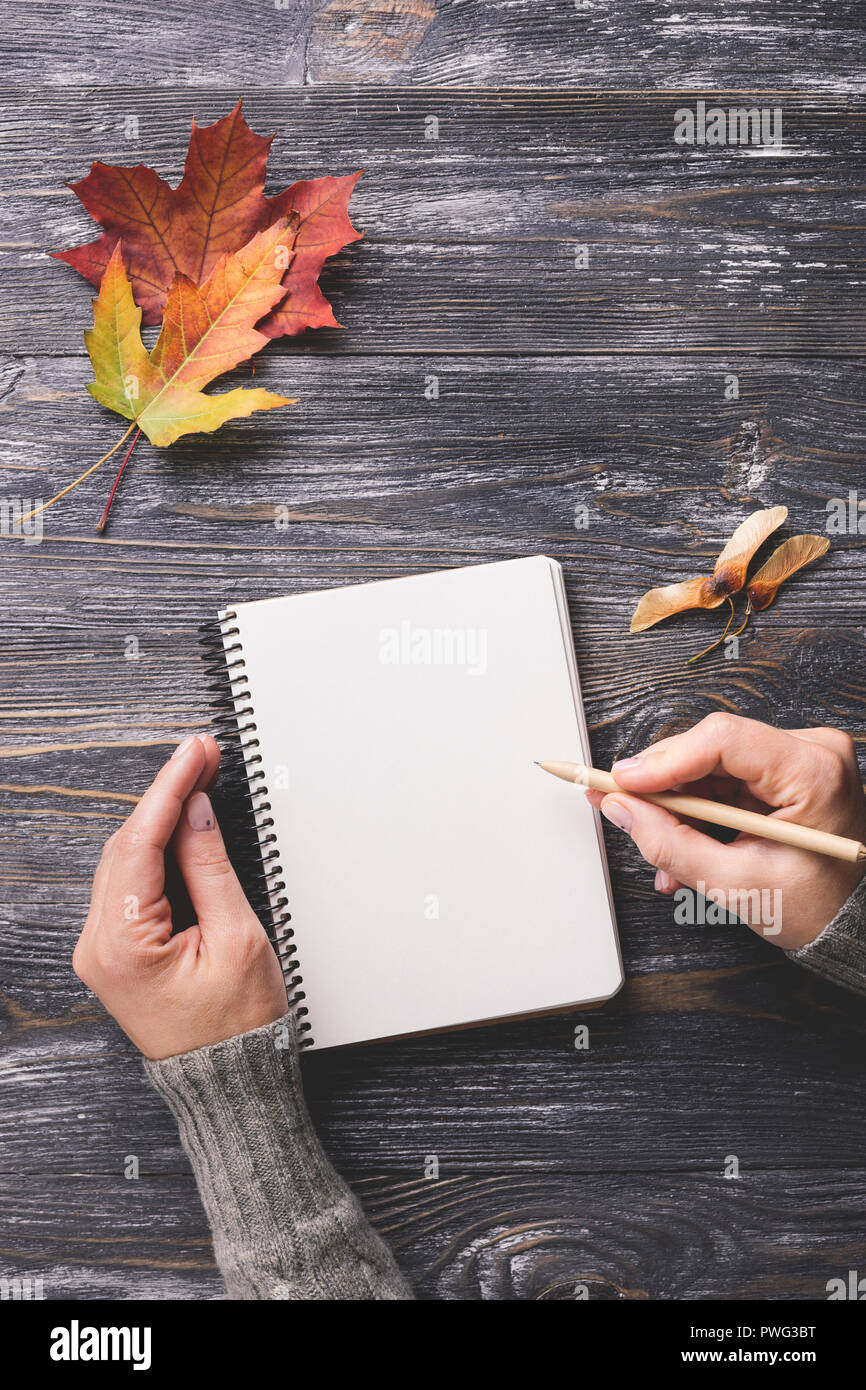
{"x":217,"y":207}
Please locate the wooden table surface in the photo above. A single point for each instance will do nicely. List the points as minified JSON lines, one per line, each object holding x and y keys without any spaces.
{"x":558,"y":388}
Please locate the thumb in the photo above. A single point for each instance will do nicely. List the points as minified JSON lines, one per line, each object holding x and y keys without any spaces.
{"x":200,"y":852}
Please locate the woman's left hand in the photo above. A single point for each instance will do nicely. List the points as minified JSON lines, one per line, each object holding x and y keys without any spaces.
{"x":220,"y":977}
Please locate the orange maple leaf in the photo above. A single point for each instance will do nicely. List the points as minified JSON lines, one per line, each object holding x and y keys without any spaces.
{"x":207,"y":330}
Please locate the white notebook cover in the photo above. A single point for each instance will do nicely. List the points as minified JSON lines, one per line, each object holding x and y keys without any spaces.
{"x":435,"y":876}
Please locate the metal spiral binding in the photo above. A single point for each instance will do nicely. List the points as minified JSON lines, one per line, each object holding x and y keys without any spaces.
{"x":241,"y":802}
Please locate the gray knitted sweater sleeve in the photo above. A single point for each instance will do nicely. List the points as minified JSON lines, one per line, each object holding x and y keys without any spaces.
{"x":839,"y":952}
{"x":284,"y":1225}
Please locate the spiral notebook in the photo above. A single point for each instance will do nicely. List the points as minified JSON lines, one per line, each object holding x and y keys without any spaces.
{"x":379,"y":794}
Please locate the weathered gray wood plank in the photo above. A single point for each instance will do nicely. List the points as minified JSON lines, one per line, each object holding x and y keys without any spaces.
{"x":556,"y":1165}
{"x":499,"y":1236}
{"x":381,"y":482}
{"x":471,"y":239}
{"x":606,"y":43}
{"x":661,"y":460}
{"x":780,"y":1059}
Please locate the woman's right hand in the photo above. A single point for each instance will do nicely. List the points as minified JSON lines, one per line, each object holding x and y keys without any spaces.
{"x":809,"y":776}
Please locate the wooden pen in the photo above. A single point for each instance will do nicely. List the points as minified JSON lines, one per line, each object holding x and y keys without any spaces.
{"x":717,"y":813}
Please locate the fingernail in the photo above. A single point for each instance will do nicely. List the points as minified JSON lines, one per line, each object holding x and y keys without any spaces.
{"x":182,"y":747}
{"x":199,"y":812}
{"x":618,"y":815}
{"x":663,"y":883}
{"x":625,"y":764}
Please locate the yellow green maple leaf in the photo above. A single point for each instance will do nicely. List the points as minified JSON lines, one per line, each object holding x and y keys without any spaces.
{"x":207,"y":329}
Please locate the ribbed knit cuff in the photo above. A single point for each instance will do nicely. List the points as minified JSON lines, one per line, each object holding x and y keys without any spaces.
{"x":284,"y":1224}
{"x":839,"y":953}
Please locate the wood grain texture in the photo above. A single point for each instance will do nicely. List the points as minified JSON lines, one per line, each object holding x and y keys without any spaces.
{"x":664,"y":464}
{"x":382,"y":482}
{"x":470,"y":240}
{"x":603,"y":43}
{"x":468,"y":1236}
{"x":780,"y":1059}
{"x":559,"y":390}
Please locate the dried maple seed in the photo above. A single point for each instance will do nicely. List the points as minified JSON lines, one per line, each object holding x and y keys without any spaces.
{"x":728,"y":576}
{"x":657,"y":604}
{"x":791,"y":556}
{"x":729,"y":571}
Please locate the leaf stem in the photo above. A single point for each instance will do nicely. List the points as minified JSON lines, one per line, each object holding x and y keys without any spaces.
{"x":104,"y":518}
{"x":92,"y":469}
{"x":698,"y":655}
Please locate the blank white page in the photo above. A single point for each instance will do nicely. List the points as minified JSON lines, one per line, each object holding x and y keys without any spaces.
{"x":435,"y":875}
